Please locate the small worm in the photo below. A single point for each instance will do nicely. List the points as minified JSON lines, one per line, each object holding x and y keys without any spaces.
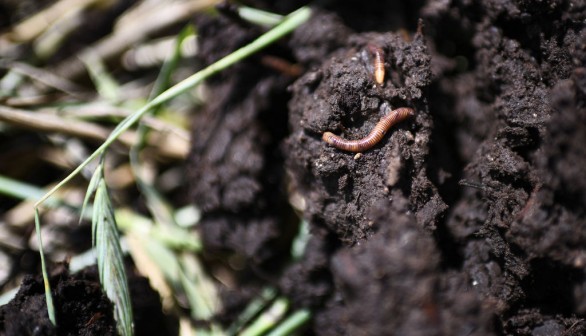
{"x":379,"y":63}
{"x":374,"y":136}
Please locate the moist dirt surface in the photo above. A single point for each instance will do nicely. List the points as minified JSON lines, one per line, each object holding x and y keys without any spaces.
{"x":81,"y":307}
{"x":466,"y":219}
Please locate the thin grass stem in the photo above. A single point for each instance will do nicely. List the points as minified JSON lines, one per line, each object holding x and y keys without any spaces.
{"x":290,"y":22}
{"x":48,"y":296}
{"x":291,"y":324}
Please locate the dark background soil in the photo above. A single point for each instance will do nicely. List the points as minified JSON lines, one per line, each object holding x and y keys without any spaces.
{"x":468,"y":219}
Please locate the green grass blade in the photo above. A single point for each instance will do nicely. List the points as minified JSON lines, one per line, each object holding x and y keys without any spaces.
{"x":259,"y":17}
{"x":164,"y":79}
{"x":105,"y":84}
{"x":268,"y":319}
{"x":91,"y":189}
{"x":8,"y":296}
{"x":110,"y":260}
{"x":172,"y":237}
{"x":48,"y":296}
{"x":155,"y":202}
{"x":24,"y":191}
{"x":252,"y":309}
{"x":96,"y":213}
{"x":290,"y":22}
{"x":199,"y":288}
{"x":292,"y":323}
{"x":20,"y":190}
{"x":300,"y":241}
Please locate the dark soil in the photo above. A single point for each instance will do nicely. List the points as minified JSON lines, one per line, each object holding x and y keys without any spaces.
{"x":468,"y":219}
{"x":81,"y":307}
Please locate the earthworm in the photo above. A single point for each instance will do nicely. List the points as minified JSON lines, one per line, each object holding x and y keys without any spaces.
{"x":373,"y":137}
{"x":379,"y":63}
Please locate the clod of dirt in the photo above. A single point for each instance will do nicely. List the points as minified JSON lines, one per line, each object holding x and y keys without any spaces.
{"x":235,"y":166}
{"x":341,"y":96}
{"x":81,"y":307}
{"x":518,"y":115}
{"x":392,"y":281}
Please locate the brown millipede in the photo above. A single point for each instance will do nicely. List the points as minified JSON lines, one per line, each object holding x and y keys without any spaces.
{"x":379,"y":63}
{"x":374,"y":136}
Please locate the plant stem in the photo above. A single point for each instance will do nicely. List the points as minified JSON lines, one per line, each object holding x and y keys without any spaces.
{"x":289,"y":24}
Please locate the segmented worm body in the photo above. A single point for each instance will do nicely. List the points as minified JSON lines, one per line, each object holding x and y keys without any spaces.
{"x":374,"y":136}
{"x":379,"y":63}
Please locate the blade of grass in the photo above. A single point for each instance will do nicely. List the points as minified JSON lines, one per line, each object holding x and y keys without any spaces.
{"x":268,"y":319}
{"x":180,"y":274}
{"x":199,"y":288}
{"x":187,"y":216}
{"x":290,"y":22}
{"x":259,"y":17}
{"x":110,"y":258}
{"x":23,"y":191}
{"x":252,"y":309}
{"x":291,"y":323}
{"x":91,"y":189}
{"x":175,"y":237}
{"x":42,"y":76}
{"x":156,"y":203}
{"x":105,"y":84}
{"x":300,"y":241}
{"x":48,"y":296}
{"x":164,"y":79}
{"x":8,"y":296}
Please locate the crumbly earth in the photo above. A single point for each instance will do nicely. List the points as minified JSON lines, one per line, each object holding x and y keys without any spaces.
{"x":81,"y":308}
{"x":467,"y":219}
